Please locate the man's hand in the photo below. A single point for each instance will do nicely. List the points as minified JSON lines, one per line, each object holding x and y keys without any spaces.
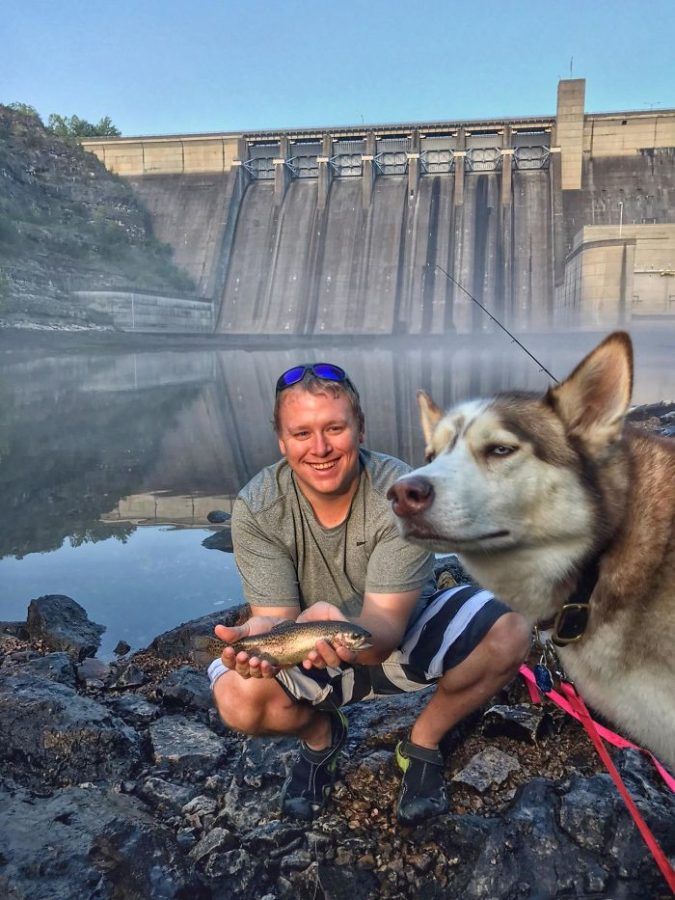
{"x":245,"y":665}
{"x":326,"y":654}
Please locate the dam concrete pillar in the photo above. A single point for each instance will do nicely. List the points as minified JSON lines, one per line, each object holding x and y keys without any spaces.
{"x":325,"y":172}
{"x":507,"y":166}
{"x":459,"y":157}
{"x":369,"y":170}
{"x":570,"y":131}
{"x":413,"y":157}
{"x":282,"y":172}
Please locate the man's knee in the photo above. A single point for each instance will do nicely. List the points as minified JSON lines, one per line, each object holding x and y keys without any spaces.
{"x":508,"y":642}
{"x":242,"y":703}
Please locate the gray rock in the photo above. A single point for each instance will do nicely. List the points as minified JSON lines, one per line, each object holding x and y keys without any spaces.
{"x":165,"y":796}
{"x":217,"y":839}
{"x":62,"y":624}
{"x":88,"y":842}
{"x":220,"y":540}
{"x":121,"y":648}
{"x":93,"y":673}
{"x":487,"y":768}
{"x":187,"y":687}
{"x":134,"y":709}
{"x":200,"y":806}
{"x":185,"y":745}
{"x":54,"y":666}
{"x":177,"y":643}
{"x":130,"y":676}
{"x":523,"y":721}
{"x":51,"y":733}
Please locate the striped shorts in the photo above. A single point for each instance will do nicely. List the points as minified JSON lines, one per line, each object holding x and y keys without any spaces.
{"x":451,"y":626}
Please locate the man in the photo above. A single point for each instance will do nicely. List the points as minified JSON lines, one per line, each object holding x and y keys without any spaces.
{"x":314,"y":539}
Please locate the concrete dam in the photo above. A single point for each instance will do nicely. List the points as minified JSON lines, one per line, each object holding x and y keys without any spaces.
{"x":561,"y":221}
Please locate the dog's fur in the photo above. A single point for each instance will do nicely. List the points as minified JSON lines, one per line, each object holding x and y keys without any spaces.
{"x":528,"y":489}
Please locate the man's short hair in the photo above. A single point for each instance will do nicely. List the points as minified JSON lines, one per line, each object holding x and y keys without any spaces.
{"x":315,"y":385}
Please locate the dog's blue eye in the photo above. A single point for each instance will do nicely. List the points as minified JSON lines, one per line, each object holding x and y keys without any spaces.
{"x":500,"y":450}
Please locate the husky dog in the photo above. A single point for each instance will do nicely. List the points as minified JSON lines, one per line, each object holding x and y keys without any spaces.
{"x":560,"y":510}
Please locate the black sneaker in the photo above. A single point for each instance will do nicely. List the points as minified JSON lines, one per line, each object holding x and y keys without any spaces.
{"x":308,"y":785}
{"x":423,"y":793}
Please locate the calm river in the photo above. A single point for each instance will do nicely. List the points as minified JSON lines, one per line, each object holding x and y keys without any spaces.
{"x":109,"y":462}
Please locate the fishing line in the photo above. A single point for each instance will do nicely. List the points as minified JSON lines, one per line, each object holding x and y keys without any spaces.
{"x":542,"y":367}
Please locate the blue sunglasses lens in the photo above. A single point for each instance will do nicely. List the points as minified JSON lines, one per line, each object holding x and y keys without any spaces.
{"x":321,"y":370}
{"x":292,"y":376}
{"x":329,"y":372}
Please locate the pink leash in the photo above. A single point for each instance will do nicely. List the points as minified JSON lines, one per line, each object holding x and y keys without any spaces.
{"x":576,"y":707}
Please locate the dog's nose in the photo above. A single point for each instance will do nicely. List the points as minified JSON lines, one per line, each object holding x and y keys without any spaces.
{"x":411,"y":495}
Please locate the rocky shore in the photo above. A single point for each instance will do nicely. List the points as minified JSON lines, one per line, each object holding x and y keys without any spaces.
{"x":118,"y":780}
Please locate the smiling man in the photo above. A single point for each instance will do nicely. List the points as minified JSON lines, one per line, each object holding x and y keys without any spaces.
{"x":315,"y":539}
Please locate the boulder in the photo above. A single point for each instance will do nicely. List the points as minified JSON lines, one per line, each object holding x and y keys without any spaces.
{"x":62,"y":624}
{"x":52,"y":734}
{"x":88,"y":842}
{"x":177,"y":643}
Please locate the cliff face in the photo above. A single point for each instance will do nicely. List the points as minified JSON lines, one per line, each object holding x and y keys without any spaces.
{"x":66,"y":224}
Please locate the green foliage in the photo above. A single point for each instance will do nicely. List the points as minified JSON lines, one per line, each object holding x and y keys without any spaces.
{"x":25,"y":109}
{"x":75,"y":127}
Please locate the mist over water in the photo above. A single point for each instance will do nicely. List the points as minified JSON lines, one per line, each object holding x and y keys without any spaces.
{"x":111,"y":461}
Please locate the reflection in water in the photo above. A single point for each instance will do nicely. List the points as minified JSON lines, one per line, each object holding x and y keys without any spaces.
{"x":93,"y":446}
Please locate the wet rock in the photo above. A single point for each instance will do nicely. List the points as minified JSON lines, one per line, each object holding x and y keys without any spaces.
{"x":487,"y":768}
{"x":187,"y":687}
{"x":334,"y":883}
{"x":93,"y":673}
{"x":62,"y":624}
{"x":273,"y":839}
{"x":54,"y":666}
{"x":130,"y":676}
{"x":217,"y":839}
{"x":244,"y":874}
{"x":134,"y":709}
{"x":49,"y":732}
{"x":525,"y":722}
{"x":177,"y":643}
{"x":218,"y":517}
{"x":165,"y":796}
{"x":88,"y":842}
{"x":121,"y":648}
{"x":185,"y":745}
{"x":220,"y":540}
{"x":200,"y":810}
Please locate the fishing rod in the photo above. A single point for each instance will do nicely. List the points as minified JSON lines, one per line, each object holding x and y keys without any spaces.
{"x":542,"y":367}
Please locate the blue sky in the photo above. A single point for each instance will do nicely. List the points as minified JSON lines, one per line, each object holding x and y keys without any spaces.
{"x":169,"y":66}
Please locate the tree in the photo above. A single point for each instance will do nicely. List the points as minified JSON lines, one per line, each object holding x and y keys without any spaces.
{"x":26,"y":109}
{"x":74,"y":126}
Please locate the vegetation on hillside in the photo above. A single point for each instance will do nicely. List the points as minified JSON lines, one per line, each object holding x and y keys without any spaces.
{"x":67,"y":224}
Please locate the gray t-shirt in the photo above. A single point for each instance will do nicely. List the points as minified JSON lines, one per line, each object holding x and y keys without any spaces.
{"x":286,"y":557}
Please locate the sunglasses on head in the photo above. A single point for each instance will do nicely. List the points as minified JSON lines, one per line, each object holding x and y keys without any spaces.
{"x":327,"y":371}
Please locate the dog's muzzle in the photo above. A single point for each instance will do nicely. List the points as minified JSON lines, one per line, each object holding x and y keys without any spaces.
{"x":410,"y":496}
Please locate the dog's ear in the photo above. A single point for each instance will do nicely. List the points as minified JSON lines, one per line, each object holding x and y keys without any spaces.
{"x":430,"y":414}
{"x":593,"y":400}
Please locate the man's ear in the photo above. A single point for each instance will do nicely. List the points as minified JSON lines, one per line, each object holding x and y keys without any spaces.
{"x":593,"y":400}
{"x":282,"y":446}
{"x":430,"y":415}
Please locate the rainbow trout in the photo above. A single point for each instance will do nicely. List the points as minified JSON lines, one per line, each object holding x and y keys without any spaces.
{"x":288,"y":643}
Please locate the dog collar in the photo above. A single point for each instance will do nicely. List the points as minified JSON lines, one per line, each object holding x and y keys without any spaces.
{"x":570,"y":623}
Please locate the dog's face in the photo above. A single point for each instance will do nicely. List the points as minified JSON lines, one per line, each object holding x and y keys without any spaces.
{"x":500,"y":474}
{"x":519,"y":470}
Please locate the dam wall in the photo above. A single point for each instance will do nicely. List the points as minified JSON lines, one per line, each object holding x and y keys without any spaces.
{"x":388,"y":229}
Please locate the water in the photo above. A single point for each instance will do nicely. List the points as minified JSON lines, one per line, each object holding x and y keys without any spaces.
{"x":109,"y":463}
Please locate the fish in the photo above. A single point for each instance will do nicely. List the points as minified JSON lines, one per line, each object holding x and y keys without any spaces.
{"x":288,"y":643}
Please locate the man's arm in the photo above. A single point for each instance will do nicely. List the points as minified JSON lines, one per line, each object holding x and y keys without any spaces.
{"x":385,"y":616}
